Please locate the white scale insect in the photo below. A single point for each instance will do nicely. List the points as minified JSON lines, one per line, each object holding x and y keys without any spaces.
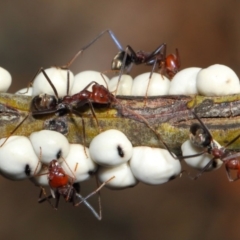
{"x":5,"y":80}
{"x":148,"y":165}
{"x":17,"y":158}
{"x":186,"y":82}
{"x":50,"y":145}
{"x":216,"y":80}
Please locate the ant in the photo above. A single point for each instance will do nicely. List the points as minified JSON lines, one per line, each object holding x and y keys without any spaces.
{"x":44,"y":104}
{"x":201,"y":137}
{"x":47,"y":104}
{"x":125,"y":58}
{"x":60,"y":185}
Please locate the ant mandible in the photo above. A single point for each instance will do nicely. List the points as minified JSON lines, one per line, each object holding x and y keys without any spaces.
{"x":201,"y":137}
{"x":60,"y":185}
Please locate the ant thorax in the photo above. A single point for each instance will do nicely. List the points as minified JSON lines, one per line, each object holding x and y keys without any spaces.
{"x":199,"y":136}
{"x":118,"y":61}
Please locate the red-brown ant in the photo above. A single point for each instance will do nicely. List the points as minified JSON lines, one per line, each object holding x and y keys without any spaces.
{"x":44,"y":104}
{"x":62,"y":185}
{"x":201,"y":137}
{"x":48,"y":104}
{"x":126,"y":57}
{"x":169,"y":64}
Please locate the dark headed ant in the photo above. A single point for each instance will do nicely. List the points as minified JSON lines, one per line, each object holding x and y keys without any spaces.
{"x":201,"y":137}
{"x":45,"y":104}
{"x":124,"y":59}
{"x":60,"y":185}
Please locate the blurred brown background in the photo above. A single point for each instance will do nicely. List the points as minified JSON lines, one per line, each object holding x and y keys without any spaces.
{"x":45,"y":33}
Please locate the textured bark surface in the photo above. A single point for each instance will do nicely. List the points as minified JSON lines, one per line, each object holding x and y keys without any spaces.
{"x":169,"y":116}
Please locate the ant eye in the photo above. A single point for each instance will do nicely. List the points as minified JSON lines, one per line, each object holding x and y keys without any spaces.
{"x":154,"y":165}
{"x":104,"y":148}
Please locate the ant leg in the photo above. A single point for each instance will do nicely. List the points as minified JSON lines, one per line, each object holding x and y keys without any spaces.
{"x":113,"y":37}
{"x":159,"y":52}
{"x":50,"y":82}
{"x":87,"y":204}
{"x":233,"y":140}
{"x":230,"y":179}
{"x":15,"y":129}
{"x":149,"y":80}
{"x":47,"y":198}
{"x":204,"y":169}
{"x":126,"y":61}
{"x":57,"y":196}
{"x":94,"y":115}
{"x":83,"y":200}
{"x":83,"y":130}
{"x":97,"y":190}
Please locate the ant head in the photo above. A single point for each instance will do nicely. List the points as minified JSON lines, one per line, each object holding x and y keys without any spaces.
{"x":53,"y":164}
{"x":172,"y":64}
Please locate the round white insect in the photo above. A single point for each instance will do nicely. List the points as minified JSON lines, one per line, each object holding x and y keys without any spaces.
{"x":58,"y":78}
{"x":124,"y":87}
{"x":78,"y":163}
{"x":158,"y":85}
{"x":123,"y":176}
{"x":154,"y":165}
{"x":217,"y":80}
{"x":201,"y":161}
{"x":5,"y":80}
{"x":110,"y":148}
{"x":18,"y":159}
{"x":84,"y":78}
{"x":49,"y":145}
{"x":185,"y":82}
{"x":25,"y":91}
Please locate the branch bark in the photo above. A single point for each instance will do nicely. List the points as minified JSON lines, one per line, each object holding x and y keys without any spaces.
{"x":170,"y":116}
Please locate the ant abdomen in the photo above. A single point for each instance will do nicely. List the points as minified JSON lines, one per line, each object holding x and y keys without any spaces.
{"x":44,"y":102}
{"x":117,"y":61}
{"x":198,"y":136}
